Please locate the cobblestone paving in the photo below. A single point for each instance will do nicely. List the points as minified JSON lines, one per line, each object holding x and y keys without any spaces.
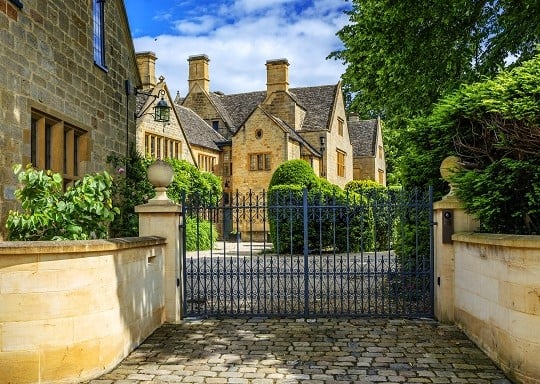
{"x":265,"y":351}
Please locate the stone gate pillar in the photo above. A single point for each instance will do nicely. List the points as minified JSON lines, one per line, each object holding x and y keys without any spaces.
{"x":162,"y":217}
{"x":450,"y":217}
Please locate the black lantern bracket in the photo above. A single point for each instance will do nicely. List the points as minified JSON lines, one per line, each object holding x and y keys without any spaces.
{"x":162,"y":110}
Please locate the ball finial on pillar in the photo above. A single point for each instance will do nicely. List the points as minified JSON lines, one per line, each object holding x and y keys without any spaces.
{"x":160,"y":174}
{"x":449,"y":166}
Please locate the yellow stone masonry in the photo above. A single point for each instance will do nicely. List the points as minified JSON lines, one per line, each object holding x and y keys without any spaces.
{"x":71,"y":310}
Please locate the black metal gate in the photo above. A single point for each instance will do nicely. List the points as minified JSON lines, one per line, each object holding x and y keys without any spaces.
{"x":302,"y":254}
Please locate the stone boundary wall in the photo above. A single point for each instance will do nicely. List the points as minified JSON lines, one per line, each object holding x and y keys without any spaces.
{"x":497,"y":299}
{"x":71,"y":310}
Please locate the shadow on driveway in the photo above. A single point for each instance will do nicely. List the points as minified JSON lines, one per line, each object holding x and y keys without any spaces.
{"x":262,"y":350}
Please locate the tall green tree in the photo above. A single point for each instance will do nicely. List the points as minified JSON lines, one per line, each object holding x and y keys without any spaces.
{"x":403,"y":56}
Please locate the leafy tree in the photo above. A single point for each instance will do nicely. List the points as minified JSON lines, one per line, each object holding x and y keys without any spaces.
{"x":402,"y":57}
{"x":82,"y":212}
{"x":193,"y":184}
{"x":495,"y":126}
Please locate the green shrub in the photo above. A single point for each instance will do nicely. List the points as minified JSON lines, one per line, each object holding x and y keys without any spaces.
{"x":294,"y":172}
{"x":193,"y":185}
{"x":336,"y":222}
{"x":412,"y":234}
{"x":130,"y":188}
{"x":200,"y":234}
{"x":83,"y":211}
{"x":504,"y":196}
{"x":384,"y":212}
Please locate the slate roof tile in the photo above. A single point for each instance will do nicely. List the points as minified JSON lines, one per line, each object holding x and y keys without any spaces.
{"x":198,"y":132}
{"x":363,"y":134}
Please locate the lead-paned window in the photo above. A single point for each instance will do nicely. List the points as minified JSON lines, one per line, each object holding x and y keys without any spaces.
{"x":259,"y":162}
{"x":99,"y":33}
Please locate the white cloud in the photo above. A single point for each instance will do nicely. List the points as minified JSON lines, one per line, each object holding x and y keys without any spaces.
{"x":238,"y":50}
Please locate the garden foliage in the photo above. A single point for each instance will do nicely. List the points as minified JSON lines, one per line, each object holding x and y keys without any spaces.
{"x":200,"y":234}
{"x":383,"y":206}
{"x":337,"y":222}
{"x":495,"y":129}
{"x":82,"y":212}
{"x":132,"y":188}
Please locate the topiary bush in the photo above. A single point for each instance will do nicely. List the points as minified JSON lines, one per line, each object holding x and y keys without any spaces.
{"x":82,"y":212}
{"x":294,"y":172}
{"x":337,"y":222}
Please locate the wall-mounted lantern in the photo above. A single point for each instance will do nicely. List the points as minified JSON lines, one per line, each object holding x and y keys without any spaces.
{"x":162,"y":111}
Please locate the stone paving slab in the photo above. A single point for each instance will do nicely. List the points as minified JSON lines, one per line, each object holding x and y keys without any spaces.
{"x":321,"y":351}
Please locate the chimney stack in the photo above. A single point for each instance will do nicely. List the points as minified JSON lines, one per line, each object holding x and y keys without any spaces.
{"x":146,"y":62}
{"x":199,"y":72}
{"x":277,"y":75}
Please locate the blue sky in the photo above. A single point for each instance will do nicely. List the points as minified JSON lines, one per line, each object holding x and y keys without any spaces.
{"x":239,"y":36}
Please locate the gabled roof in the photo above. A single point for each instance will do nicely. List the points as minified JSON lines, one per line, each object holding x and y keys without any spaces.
{"x":363,"y":134}
{"x":239,"y":106}
{"x":293,"y":135}
{"x":198,"y":132}
{"x":317,"y":101}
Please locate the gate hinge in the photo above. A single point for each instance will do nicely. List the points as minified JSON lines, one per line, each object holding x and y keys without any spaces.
{"x":177,"y":281}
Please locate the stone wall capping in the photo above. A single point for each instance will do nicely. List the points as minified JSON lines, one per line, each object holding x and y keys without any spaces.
{"x":75,"y":246}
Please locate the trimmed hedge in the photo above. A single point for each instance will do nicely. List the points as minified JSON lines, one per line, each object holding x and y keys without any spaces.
{"x":384,"y":215}
{"x":200,"y":234}
{"x":337,"y":222}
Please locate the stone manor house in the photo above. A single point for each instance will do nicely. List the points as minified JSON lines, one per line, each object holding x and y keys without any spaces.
{"x":73,"y":91}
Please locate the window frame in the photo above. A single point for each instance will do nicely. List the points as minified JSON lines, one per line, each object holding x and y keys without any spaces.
{"x":162,"y":147}
{"x":340,"y":165}
{"x":99,"y":34}
{"x":57,"y":145}
{"x":341,"y":124}
{"x":260,"y":161}
{"x":206,"y":162}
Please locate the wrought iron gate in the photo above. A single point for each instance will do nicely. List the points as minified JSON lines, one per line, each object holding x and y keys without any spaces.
{"x":301,"y":254}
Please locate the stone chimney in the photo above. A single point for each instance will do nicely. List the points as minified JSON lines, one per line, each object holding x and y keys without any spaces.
{"x":353,"y":117}
{"x":199,"y":72}
{"x":146,"y":62}
{"x":277,"y":75}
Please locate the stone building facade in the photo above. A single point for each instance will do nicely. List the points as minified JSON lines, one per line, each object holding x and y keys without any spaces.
{"x":158,"y":139}
{"x":263,"y":129}
{"x":66,"y":88}
{"x":369,"y":162}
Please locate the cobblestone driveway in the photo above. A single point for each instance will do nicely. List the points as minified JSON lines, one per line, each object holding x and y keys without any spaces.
{"x":261,"y":351}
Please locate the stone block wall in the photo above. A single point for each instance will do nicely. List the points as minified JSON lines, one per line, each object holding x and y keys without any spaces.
{"x":497,"y":299}
{"x":46,"y":51}
{"x":71,"y":310}
{"x":488,"y":285}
